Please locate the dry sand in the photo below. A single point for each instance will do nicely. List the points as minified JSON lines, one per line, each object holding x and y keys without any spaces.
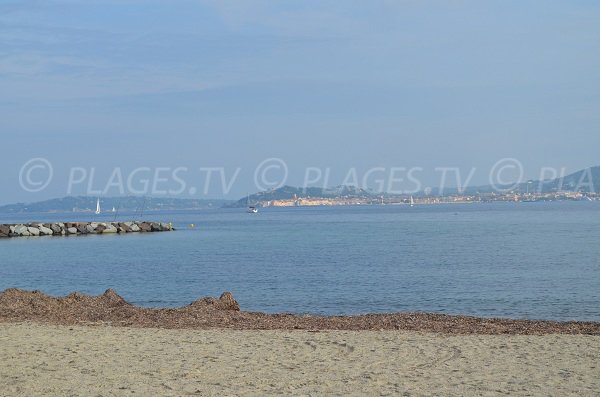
{"x":61,"y":360}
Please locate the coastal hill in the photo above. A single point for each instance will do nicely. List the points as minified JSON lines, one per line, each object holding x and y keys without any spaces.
{"x":572,"y":186}
{"x":586,"y":181}
{"x":580,"y":180}
{"x":130,"y":203}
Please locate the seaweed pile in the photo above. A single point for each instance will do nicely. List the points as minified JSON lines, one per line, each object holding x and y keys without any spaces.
{"x":208,"y":313}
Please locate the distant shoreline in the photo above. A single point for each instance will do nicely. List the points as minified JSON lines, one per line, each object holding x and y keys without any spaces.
{"x":230,"y":208}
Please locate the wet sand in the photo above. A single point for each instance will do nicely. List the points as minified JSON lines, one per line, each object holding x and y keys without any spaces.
{"x":105,"y":361}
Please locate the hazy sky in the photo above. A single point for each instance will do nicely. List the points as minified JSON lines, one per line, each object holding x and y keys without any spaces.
{"x":337,"y":84}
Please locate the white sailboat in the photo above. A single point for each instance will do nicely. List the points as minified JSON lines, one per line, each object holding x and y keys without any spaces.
{"x":412,"y":201}
{"x":98,"y":206}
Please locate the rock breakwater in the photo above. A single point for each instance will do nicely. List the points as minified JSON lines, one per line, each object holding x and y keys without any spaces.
{"x":80,"y":228}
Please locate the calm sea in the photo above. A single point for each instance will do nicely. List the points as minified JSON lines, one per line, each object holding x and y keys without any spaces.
{"x":527,"y":260}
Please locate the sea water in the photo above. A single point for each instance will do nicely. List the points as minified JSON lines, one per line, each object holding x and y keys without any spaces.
{"x":517,"y":260}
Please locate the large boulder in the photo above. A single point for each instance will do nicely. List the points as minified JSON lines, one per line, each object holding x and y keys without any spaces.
{"x":72,"y":230}
{"x":124,"y":228}
{"x":33,"y":231}
{"x":4,"y":231}
{"x":45,"y":231}
{"x":21,"y":230}
{"x":81,"y":227}
{"x":145,"y":227}
{"x":56,"y":228}
{"x":134,"y":228}
{"x":110,"y":229}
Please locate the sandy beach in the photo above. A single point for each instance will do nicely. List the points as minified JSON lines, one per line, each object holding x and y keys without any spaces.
{"x":82,"y":345}
{"x":105,"y":361}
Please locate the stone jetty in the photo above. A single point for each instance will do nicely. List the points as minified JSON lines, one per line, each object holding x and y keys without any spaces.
{"x":80,"y":228}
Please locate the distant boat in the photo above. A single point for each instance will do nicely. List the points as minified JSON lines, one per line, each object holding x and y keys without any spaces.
{"x":412,"y":201}
{"x":114,"y":209}
{"x":98,"y":206}
{"x":251,"y":209}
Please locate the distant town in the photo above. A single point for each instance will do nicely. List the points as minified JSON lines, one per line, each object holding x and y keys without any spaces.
{"x":419,"y":200}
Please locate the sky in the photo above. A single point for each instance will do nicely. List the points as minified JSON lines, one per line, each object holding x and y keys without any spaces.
{"x":338,"y":86}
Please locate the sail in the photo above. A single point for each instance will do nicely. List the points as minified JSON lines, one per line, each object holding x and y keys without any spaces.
{"x":98,"y":206}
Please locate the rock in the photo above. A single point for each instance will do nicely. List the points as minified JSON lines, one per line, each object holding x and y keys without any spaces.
{"x":90,"y":229}
{"x":124,"y":228}
{"x":134,"y":228}
{"x":45,"y":231}
{"x":110,"y":229}
{"x":33,"y":231}
{"x":100,"y":228}
{"x":4,"y":231}
{"x":81,"y":227}
{"x":20,"y":230}
{"x":145,"y":227}
{"x":56,"y":228}
{"x":163,"y":227}
{"x":72,"y":230}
